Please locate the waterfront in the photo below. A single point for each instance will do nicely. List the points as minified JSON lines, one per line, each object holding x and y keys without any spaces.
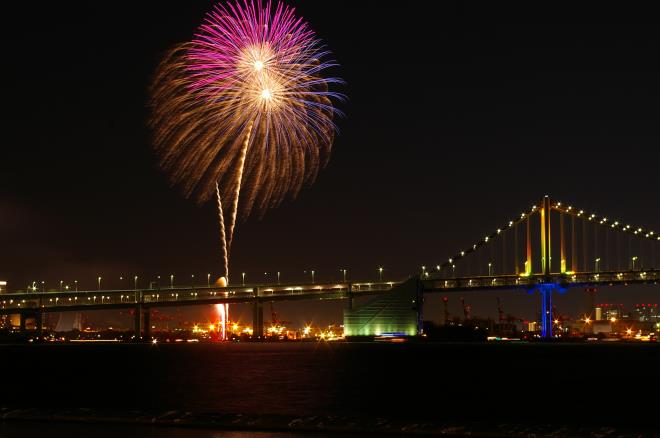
{"x":591,"y":385}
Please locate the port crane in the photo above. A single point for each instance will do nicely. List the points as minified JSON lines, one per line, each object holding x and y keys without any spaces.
{"x":467,"y":310}
{"x":500,"y":311}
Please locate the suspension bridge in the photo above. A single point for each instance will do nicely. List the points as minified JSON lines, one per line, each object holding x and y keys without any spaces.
{"x":546,"y":249}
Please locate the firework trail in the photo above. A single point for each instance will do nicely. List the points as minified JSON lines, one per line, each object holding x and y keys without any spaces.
{"x":243,"y":111}
{"x":223,"y":235}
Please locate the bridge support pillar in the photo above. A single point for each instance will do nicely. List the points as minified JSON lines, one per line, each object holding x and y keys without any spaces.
{"x":138,"y":322}
{"x":546,"y":310}
{"x":39,"y":323}
{"x":147,"y":324}
{"x":257,"y":319}
{"x":22,"y":322}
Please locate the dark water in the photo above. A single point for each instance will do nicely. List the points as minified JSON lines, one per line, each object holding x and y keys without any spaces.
{"x":586,"y":384}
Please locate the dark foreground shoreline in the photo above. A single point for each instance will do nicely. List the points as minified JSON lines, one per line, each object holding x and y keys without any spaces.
{"x":316,"y":425}
{"x":316,"y":389}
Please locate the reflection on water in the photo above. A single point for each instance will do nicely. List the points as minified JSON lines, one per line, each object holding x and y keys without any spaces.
{"x":512,"y":383}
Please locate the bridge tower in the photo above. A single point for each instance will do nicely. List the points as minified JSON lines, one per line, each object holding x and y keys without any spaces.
{"x":548,"y":286}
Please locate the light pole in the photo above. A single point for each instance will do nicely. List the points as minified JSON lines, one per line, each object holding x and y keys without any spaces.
{"x":171,"y":281}
{"x":135,"y":279}
{"x":634,"y":259}
{"x":490,"y":270}
{"x":43,"y":286}
{"x":313,"y":277}
{"x":243,"y":275}
{"x":99,"y":279}
{"x":192,"y":280}
{"x":453,"y":271}
{"x":278,"y":277}
{"x":597,"y":262}
{"x":76,"y":282}
{"x":266,"y":276}
{"x":208,"y":280}
{"x":61,"y":282}
{"x":380,"y":273}
{"x":344,"y":272}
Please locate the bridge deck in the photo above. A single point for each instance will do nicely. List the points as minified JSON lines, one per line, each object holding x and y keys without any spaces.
{"x":185,"y":296}
{"x":190,"y":296}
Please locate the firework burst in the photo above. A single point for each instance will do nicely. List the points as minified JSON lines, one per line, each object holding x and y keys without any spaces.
{"x":242,"y":112}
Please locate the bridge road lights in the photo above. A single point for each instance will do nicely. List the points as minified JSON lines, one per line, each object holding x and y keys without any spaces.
{"x":380,"y":274}
{"x":634,"y":259}
{"x":597,"y":261}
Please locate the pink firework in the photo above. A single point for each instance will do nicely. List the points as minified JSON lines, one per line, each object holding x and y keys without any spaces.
{"x":243,"y":112}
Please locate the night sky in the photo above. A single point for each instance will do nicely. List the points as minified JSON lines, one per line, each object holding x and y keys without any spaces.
{"x":458,"y":118}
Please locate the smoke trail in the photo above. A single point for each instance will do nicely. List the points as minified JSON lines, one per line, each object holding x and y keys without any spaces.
{"x":241,"y":167}
{"x":223,"y":236}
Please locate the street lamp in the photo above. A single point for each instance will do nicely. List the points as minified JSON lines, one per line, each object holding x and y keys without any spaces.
{"x":490,"y":265}
{"x":76,"y":282}
{"x":43,"y":286}
{"x":171,"y":281}
{"x":208,"y":280}
{"x":243,"y":275}
{"x":61,"y":282}
{"x":278,"y":277}
{"x":99,"y":280}
{"x":344,"y":272}
{"x":634,"y":259}
{"x":453,"y":271}
{"x":266,"y":275}
{"x":380,"y":273}
{"x":135,"y":279}
{"x":597,"y":262}
{"x":312,"y":276}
